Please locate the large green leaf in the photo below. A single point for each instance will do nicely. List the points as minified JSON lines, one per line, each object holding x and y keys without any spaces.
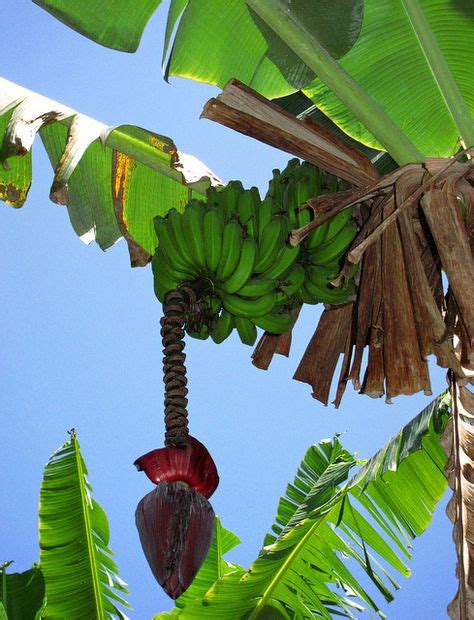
{"x":329,"y":531}
{"x":105,"y":176}
{"x":211,"y":34}
{"x":118,"y":24}
{"x":121,"y":24}
{"x":214,"y":567}
{"x":387,"y":62}
{"x":21,"y":594}
{"x":336,"y":26}
{"x":80,"y":575}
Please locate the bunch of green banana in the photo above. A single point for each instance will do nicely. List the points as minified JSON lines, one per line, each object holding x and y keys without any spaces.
{"x":326,"y":245}
{"x":233,"y":250}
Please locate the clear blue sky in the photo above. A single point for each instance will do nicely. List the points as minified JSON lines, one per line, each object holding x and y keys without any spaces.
{"x":80,"y":338}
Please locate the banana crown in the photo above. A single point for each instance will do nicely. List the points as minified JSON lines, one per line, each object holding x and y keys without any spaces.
{"x":233,"y":249}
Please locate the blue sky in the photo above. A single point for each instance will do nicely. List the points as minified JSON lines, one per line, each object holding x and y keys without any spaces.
{"x":81,"y":346}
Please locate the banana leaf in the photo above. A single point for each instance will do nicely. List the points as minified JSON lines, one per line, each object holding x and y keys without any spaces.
{"x":214,"y":568}
{"x":118,"y":24}
{"x":80,"y":575}
{"x":105,"y":176}
{"x":336,"y":25}
{"x":404,"y":67}
{"x":332,"y":534}
{"x":391,"y":61}
{"x":22,"y":595}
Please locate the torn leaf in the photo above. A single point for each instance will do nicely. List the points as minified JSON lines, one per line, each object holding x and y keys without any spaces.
{"x":84,"y":155}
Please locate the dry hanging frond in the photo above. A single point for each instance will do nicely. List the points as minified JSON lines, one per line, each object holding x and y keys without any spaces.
{"x":458,"y":441}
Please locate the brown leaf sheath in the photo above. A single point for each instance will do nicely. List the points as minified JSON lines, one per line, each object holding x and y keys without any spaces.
{"x":406,"y":370}
{"x":320,"y":359}
{"x":452,"y":241}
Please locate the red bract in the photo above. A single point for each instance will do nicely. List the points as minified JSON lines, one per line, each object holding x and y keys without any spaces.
{"x":176,"y":525}
{"x":193,"y":465}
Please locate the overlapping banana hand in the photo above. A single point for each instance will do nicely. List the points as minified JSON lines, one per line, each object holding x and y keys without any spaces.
{"x":233,"y":249}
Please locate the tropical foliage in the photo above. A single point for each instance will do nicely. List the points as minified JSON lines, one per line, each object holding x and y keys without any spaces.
{"x":328,"y":528}
{"x":22,"y":595}
{"x":105,"y":175}
{"x":425,"y":47}
{"x":393,"y":79}
{"x":76,"y":576}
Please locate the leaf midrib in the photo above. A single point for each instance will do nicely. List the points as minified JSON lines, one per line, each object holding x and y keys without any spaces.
{"x":287,"y":563}
{"x":90,"y":542}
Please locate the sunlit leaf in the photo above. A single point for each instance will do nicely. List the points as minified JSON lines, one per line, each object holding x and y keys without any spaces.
{"x":335,"y":24}
{"x":335,"y":541}
{"x":113,"y":181}
{"x":118,"y":24}
{"x":386,"y":60}
{"x":79,"y":572}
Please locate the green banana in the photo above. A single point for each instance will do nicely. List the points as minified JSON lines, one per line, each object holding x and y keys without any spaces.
{"x":337,"y":223}
{"x":213,"y":196}
{"x":321,"y":275}
{"x":193,"y":232}
{"x":294,"y":281}
{"x":306,"y":189}
{"x":244,"y":268}
{"x":303,"y":189}
{"x":290,"y":202}
{"x":212,"y":230}
{"x":306,"y":297}
{"x":283,"y":262}
{"x":175,"y":221}
{"x":249,"y":308}
{"x":264,"y":216}
{"x":291,"y":170}
{"x":335,"y":248}
{"x":247,"y":207}
{"x":275,"y":322}
{"x":246,"y":330}
{"x":329,"y":183}
{"x":314,"y":179}
{"x":223,"y":327}
{"x":169,"y":244}
{"x":275,"y":191}
{"x":231,"y":245}
{"x":270,"y":245}
{"x":214,"y":304}
{"x":303,"y":217}
{"x":328,"y":294}
{"x":230,"y":197}
{"x":201,"y":334}
{"x":317,"y":236}
{"x":163,"y":283}
{"x":161,"y":262}
{"x":256,"y":287}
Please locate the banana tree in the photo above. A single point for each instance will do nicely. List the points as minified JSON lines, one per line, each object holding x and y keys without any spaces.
{"x":360,"y":92}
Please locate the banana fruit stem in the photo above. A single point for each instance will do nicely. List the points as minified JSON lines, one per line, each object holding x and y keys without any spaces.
{"x":175,"y":310}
